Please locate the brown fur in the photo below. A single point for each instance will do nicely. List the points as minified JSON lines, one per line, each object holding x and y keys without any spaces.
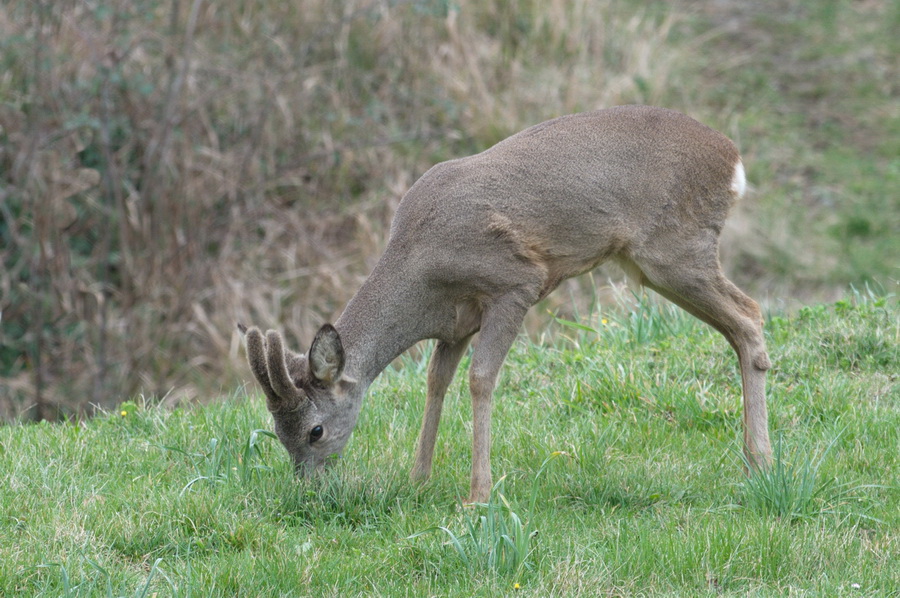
{"x":477,"y":241}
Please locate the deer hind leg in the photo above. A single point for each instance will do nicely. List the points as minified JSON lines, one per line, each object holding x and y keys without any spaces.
{"x":441,"y":370}
{"x":704,"y":292}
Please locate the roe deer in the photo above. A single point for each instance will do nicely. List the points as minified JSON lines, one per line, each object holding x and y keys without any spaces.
{"x":477,"y":241}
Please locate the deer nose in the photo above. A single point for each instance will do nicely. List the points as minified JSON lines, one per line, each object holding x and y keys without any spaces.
{"x":305,"y":469}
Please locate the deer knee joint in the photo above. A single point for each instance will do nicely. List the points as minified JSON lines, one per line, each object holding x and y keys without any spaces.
{"x":481,"y":387}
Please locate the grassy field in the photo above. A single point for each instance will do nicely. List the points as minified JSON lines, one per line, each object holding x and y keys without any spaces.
{"x":169,"y":168}
{"x":618,"y":448}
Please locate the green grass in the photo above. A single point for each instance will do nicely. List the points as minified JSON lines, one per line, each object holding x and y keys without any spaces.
{"x":651,"y":499}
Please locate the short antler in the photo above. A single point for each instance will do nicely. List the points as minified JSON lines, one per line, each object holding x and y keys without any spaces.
{"x":273,"y":369}
{"x":278,"y":369}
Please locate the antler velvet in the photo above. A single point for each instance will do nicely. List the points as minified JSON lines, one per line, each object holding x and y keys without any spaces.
{"x":274,"y":369}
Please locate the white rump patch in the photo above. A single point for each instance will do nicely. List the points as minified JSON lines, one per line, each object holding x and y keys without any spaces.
{"x":739,"y":180}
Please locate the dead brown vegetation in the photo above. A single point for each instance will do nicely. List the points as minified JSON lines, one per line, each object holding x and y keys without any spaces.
{"x":170,"y":168}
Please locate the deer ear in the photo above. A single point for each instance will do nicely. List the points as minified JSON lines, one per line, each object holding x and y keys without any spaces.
{"x":326,"y":356}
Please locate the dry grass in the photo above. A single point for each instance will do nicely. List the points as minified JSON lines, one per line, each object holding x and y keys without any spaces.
{"x":170,"y":168}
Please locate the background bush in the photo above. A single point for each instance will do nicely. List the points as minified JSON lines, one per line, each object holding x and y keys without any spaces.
{"x":168,"y":168}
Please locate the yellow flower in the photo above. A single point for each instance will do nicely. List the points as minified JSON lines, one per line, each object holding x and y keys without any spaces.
{"x":516,"y":586}
{"x":124,"y":413}
{"x":604,"y":321}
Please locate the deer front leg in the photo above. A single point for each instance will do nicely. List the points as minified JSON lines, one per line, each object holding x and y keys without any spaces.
{"x":441,"y":370}
{"x":498,"y":331}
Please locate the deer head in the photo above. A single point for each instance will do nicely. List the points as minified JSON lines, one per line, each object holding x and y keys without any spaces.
{"x":311,"y":402}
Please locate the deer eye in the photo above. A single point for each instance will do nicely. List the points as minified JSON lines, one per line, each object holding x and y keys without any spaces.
{"x":315,"y":434}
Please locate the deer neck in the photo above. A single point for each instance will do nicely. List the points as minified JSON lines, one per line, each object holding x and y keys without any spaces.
{"x":391,"y":312}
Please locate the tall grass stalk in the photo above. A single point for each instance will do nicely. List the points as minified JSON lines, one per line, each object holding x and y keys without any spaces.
{"x":496,"y":537}
{"x":635,"y":319}
{"x":795,"y":491}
